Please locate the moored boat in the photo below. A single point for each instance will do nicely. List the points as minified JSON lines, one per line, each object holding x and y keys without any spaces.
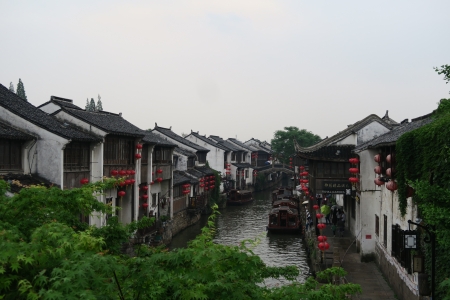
{"x":239,"y":197}
{"x":284,"y":216}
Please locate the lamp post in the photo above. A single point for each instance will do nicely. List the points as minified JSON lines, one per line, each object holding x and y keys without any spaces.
{"x":410,"y":242}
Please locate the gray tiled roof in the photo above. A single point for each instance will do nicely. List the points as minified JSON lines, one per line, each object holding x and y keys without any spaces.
{"x":10,"y":101}
{"x":242,"y":165}
{"x":179,"y":178}
{"x":206,"y":140}
{"x":9,"y":132}
{"x":154,"y":139}
{"x":226,"y":144}
{"x":240,"y":144}
{"x":109,"y":122}
{"x":168,"y":132}
{"x":390,"y":137}
{"x":184,"y":152}
{"x":205,"y":170}
{"x":195,"y":173}
{"x":344,"y":133}
{"x":61,"y":102}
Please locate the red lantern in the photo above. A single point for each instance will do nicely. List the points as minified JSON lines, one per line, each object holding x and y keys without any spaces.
{"x":144,"y":205}
{"x":145,"y":187}
{"x":114,"y":172}
{"x":377,"y":158}
{"x":392,"y":185}
{"x":202,"y":185}
{"x":122,"y":183}
{"x":354,"y":161}
{"x":132,"y":172}
{"x":206,"y":188}
{"x":378,"y":170}
{"x":84,"y":181}
{"x":128,"y":172}
{"x":321,"y":246}
{"x":319,"y":216}
{"x":302,"y":168}
{"x":306,"y":192}
{"x":159,"y":171}
{"x":132,"y":181}
{"x":390,"y":158}
{"x":121,"y":193}
{"x":316,"y":207}
{"x":378,"y":181}
{"x":327,"y":246}
{"x":159,"y":179}
{"x":321,"y":226}
{"x":201,"y":179}
{"x":322,"y":238}
{"x":152,"y":182}
{"x":145,"y":197}
{"x":138,"y":156}
{"x":353,"y":170}
{"x":127,"y":182}
{"x":305,"y":173}
{"x":390,"y":172}
{"x":353,"y":179}
{"x":122,"y":172}
{"x":138,"y":146}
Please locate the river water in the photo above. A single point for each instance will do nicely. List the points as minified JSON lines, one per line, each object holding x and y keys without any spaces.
{"x":238,"y":223}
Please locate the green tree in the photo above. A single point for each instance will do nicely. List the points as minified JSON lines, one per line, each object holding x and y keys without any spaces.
{"x":92,"y":105}
{"x":99,"y":104}
{"x":11,"y":87}
{"x":21,"y":90}
{"x":444,"y":69}
{"x":47,"y":253}
{"x":87,"y":105}
{"x":283,"y":141}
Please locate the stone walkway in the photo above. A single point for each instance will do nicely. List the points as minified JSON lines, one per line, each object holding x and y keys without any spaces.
{"x":373,"y":284}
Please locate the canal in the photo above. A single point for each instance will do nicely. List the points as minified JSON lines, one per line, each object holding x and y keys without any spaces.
{"x":238,"y":223}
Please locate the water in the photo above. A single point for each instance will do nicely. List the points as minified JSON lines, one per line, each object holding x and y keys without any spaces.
{"x":238,"y":223}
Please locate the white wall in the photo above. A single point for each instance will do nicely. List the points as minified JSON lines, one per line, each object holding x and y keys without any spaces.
{"x":50,"y":108}
{"x":349,"y":140}
{"x":370,"y":131}
{"x":80,"y":123}
{"x":215,"y":156}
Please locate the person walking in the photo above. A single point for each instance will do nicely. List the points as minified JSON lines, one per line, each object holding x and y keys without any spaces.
{"x":334,"y":220}
{"x":342,"y":222}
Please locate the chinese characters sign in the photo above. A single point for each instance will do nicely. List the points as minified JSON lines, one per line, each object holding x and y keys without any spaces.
{"x":336,"y":187}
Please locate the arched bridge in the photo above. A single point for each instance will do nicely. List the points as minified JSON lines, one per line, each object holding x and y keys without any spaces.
{"x":274,"y":168}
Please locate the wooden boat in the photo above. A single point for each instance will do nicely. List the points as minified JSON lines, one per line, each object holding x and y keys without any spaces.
{"x":239,"y":197}
{"x":284,"y":216}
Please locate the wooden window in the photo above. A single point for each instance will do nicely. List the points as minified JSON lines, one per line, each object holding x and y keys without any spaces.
{"x":243,"y":157}
{"x":333,"y":168}
{"x":190,"y":162}
{"x":144,"y":154}
{"x":233,"y":156}
{"x":377,"y":225}
{"x":398,"y":251}
{"x":10,"y":154}
{"x":118,"y":151}
{"x":341,"y":168}
{"x":201,"y":158}
{"x":385,"y":231}
{"x":177,"y":191}
{"x":162,"y":155}
{"x":77,"y":156}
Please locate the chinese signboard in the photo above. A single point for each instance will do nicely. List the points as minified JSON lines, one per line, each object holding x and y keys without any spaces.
{"x":336,"y":187}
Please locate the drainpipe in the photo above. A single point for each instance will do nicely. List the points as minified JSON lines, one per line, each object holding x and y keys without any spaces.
{"x":171,"y":187}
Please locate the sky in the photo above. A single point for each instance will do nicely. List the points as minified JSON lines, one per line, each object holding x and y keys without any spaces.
{"x":236,"y":69}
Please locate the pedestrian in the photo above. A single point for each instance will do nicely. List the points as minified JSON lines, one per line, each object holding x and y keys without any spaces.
{"x":333,"y":228}
{"x":342,"y":222}
{"x":327,"y":218}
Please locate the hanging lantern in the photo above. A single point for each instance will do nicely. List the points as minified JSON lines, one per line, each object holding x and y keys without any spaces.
{"x":138,"y":155}
{"x":206,"y":188}
{"x":144,"y":205}
{"x":145,"y":187}
{"x":159,"y":171}
{"x":132,"y":172}
{"x":139,"y":146}
{"x":128,"y":172}
{"x":114,"y":172}
{"x":201,"y":179}
{"x":316,"y":207}
{"x":145,"y":197}
{"x":322,"y":238}
{"x":202,"y":185}
{"x":122,"y":183}
{"x":127,"y":182}
{"x":378,"y":170}
{"x":390,"y":158}
{"x":321,"y":226}
{"x":378,"y":181}
{"x":354,"y":161}
{"x":159,"y":179}
{"x":122,"y":172}
{"x":152,"y":182}
{"x":392,"y":185}
{"x":132,"y":181}
{"x":353,"y":179}
{"x":377,"y":158}
{"x":306,"y":192}
{"x":319,"y":216}
{"x":323,"y":246}
{"x":390,"y":172}
{"x":353,"y":170}
{"x":121,"y":194}
{"x":84,"y":181}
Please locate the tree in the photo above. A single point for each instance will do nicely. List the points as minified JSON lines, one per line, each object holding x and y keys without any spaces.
{"x":283,"y":141}
{"x":92,"y":105}
{"x":87,"y":104}
{"x":11,"y":87}
{"x":47,"y":253}
{"x":99,"y":104}
{"x":21,"y":90}
{"x":444,"y":69}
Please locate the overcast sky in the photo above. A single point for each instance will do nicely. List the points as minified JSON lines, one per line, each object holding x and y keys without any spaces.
{"x":231,"y":68}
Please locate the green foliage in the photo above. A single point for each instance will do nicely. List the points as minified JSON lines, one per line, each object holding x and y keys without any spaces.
{"x":283,"y":141}
{"x":11,"y":87}
{"x":423,"y":162}
{"x":444,"y":69}
{"x":49,"y":257}
{"x":214,"y":195}
{"x":260,"y":182}
{"x":99,"y":106}
{"x":21,"y":90}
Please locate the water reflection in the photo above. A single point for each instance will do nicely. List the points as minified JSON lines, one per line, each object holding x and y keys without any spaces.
{"x":238,"y":223}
